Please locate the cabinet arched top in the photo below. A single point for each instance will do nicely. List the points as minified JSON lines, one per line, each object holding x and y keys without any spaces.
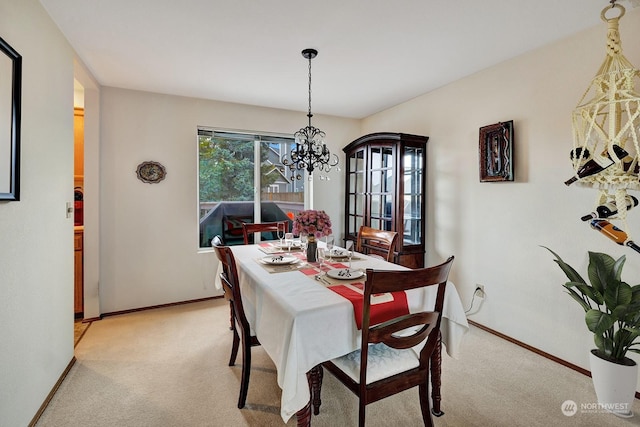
{"x":381,"y":137}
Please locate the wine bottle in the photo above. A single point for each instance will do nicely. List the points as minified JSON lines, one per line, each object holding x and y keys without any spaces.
{"x":580,"y":153}
{"x":609,"y":209}
{"x":593,"y":166}
{"x":621,"y":154}
{"x":613,"y":233}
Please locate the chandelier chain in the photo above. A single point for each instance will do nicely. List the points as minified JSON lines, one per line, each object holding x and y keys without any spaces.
{"x":309,"y":114}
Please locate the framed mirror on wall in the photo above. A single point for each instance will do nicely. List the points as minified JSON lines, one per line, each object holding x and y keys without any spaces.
{"x":10,"y":97}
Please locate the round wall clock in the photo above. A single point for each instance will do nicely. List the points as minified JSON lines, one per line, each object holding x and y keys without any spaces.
{"x":151,"y":172}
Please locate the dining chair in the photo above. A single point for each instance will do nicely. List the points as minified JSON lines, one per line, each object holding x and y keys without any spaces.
{"x":216,"y":242}
{"x":388,"y":361}
{"x":377,"y":243}
{"x":262,"y":227}
{"x":230,"y":284}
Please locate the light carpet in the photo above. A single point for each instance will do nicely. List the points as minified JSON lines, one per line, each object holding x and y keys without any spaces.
{"x":168,"y":367}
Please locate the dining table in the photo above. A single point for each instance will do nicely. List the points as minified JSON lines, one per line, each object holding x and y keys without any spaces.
{"x":300,"y":322}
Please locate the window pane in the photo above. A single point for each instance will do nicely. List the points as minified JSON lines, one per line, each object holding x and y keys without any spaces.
{"x":226,"y":174}
{"x":279,"y":192}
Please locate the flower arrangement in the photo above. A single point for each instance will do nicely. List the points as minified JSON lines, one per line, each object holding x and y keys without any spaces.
{"x":313,"y":223}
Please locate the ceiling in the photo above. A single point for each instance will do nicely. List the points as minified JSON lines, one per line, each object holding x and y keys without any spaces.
{"x":373,"y":54}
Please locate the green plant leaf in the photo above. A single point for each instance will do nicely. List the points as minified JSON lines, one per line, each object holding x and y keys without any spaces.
{"x":616,"y":294}
{"x":617,"y":267}
{"x":569,"y":271}
{"x":588,"y":291}
{"x":620,"y":313}
{"x":576,"y":296}
{"x":598,"y":322}
{"x":600,"y":270}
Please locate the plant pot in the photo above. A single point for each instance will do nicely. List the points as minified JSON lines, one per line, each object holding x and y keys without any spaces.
{"x":615,"y":384}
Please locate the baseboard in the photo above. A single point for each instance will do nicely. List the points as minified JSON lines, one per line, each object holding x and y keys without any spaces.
{"x":536,"y":350}
{"x":151,"y":307}
{"x":52,"y":393}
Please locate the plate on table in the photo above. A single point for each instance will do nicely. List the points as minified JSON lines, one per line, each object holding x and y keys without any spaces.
{"x":340,"y":253}
{"x":345,"y":273}
{"x":294,"y":245}
{"x":278,"y":260}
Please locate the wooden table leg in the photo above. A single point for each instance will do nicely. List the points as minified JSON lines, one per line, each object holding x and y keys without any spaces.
{"x":315,"y":381}
{"x":436,"y":377}
{"x":314,"y":378}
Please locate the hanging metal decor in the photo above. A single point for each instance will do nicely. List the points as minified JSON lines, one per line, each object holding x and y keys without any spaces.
{"x":606,"y":137}
{"x":151,"y":172}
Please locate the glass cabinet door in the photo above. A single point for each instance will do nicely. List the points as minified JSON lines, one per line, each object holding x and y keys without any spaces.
{"x":382,"y":188}
{"x":356,"y":191}
{"x":413,"y":194}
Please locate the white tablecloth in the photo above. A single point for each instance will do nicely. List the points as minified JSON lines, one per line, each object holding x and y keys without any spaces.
{"x":300,"y":323}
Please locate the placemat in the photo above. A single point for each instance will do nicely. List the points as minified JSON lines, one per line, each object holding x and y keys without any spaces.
{"x":384,"y":307}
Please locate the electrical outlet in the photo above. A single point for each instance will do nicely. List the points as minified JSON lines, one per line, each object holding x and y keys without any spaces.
{"x":480,"y":290}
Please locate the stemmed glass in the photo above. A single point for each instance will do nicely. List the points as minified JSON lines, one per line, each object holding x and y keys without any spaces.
{"x":349,"y":247}
{"x":321,"y":256}
{"x":304,"y":238}
{"x":280,"y":226}
{"x":329,"y":242}
{"x":288,"y":240}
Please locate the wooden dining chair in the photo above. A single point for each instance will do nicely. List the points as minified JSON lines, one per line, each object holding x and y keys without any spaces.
{"x":387,"y":363}
{"x":230,"y":284}
{"x":263,"y":227}
{"x":217,"y":241}
{"x":377,"y":243}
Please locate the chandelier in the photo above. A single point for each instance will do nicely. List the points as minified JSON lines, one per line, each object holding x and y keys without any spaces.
{"x":310,"y":152}
{"x":606,"y":138}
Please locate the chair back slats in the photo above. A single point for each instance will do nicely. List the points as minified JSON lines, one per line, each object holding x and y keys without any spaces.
{"x":262,"y":227}
{"x":386,"y":333}
{"x":377,"y":242}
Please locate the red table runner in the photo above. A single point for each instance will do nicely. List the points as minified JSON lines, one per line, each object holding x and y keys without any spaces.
{"x":383,"y":306}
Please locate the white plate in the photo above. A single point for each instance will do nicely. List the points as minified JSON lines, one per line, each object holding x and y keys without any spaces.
{"x":345,"y":273}
{"x":284,"y":246}
{"x":278,"y":260}
{"x":340,"y":253}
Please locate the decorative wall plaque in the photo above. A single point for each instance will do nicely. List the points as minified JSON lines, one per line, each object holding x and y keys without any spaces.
{"x":151,"y":172}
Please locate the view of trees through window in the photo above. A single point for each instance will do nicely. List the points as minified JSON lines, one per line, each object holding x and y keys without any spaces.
{"x":226,"y":165}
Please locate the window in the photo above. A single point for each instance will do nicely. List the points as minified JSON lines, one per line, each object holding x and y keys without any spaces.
{"x":231,"y":165}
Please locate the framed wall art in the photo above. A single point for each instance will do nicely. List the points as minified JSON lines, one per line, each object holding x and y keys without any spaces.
{"x":10,"y":96}
{"x":496,"y":152}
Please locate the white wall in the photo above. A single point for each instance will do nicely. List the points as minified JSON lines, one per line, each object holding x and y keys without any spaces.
{"x":36,"y":250}
{"x":495,"y":229}
{"x":149,"y":232}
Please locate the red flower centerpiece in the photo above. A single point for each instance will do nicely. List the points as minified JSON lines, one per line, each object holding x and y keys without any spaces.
{"x":312,"y":223}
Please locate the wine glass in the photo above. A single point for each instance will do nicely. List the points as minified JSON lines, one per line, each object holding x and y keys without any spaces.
{"x":349,"y":247}
{"x":320,"y":257}
{"x":280,"y":226}
{"x":288,"y":240}
{"x":329,"y":242}
{"x":304,"y":238}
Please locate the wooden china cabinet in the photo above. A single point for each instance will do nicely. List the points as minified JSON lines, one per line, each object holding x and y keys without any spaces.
{"x":385,"y":183}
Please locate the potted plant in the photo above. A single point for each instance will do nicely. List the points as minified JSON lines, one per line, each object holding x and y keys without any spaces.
{"x":612,"y":313}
